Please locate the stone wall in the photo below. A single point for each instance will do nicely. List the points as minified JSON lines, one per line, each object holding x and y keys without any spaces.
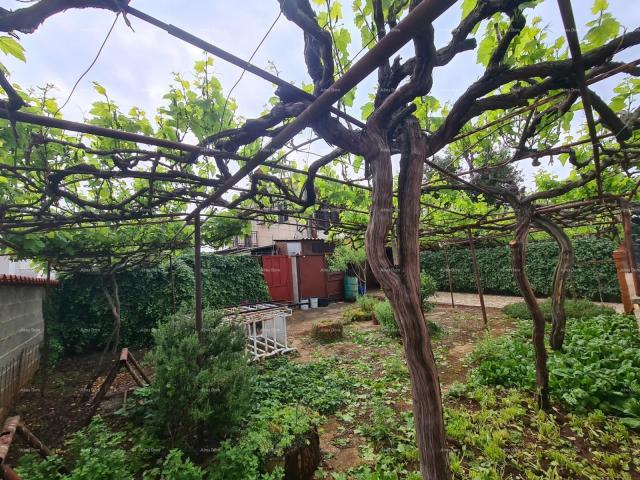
{"x":21,"y":333}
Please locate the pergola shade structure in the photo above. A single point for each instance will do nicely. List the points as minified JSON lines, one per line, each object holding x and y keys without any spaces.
{"x":387,"y":174}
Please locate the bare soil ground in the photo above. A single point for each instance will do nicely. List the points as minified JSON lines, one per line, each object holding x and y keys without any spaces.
{"x":65,"y":407}
{"x":463,"y":328}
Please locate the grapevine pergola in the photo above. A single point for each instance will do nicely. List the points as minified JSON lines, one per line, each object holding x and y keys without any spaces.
{"x":148,"y":177}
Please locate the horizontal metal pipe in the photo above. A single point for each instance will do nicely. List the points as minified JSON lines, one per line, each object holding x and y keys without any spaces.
{"x":52,"y":122}
{"x":237,"y":61}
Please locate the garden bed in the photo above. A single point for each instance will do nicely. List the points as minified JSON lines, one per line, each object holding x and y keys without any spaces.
{"x":359,"y":385}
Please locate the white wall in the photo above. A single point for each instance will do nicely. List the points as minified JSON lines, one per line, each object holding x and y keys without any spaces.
{"x":268,"y":233}
{"x":22,"y":267}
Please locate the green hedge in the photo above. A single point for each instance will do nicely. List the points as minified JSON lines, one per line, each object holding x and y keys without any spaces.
{"x":593,"y":276}
{"x":80,"y":319}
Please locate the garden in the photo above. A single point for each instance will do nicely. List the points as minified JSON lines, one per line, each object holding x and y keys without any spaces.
{"x":419,"y":148}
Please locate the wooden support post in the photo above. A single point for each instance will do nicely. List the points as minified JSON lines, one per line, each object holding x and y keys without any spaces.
{"x":446,"y":255}
{"x":135,"y":363}
{"x":33,"y":441}
{"x":476,"y":273}
{"x":620,"y":258}
{"x":628,"y":243}
{"x":127,"y":361}
{"x":104,"y":388}
{"x":6,"y":436}
{"x":8,"y":474}
{"x":197,"y":266}
{"x":134,"y":374}
{"x":13,"y":426}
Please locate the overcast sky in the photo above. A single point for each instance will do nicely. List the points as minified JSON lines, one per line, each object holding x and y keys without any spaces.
{"x":136,"y":66}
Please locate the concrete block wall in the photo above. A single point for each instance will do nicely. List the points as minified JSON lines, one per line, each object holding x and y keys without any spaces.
{"x":21,"y":333}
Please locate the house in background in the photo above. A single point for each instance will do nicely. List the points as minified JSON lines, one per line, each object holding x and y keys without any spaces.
{"x":21,"y":268}
{"x":264,"y":235}
{"x":292,"y":253}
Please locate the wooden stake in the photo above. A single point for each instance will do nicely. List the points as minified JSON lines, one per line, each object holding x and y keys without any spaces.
{"x":476,"y":273}
{"x":446,"y":256}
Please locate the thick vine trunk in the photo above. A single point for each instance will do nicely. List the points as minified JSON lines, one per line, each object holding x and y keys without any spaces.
{"x":560,"y":278}
{"x":402,"y":287}
{"x":518,"y":262}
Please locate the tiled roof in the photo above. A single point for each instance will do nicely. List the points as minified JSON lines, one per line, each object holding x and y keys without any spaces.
{"x":22,"y":280}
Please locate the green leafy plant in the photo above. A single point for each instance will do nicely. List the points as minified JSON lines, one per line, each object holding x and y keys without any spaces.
{"x":98,"y":453}
{"x":367,"y":303}
{"x":345,"y":257}
{"x":348,"y":259}
{"x":387,"y":319}
{"x":319,"y":385}
{"x":93,"y":453}
{"x":175,"y":467}
{"x":385,"y":316}
{"x":428,"y":288}
{"x":599,"y":367}
{"x":270,"y":433}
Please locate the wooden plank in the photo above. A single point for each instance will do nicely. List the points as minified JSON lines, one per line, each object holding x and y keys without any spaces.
{"x":7,"y":435}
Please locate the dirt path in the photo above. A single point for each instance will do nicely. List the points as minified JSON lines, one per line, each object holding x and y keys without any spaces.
{"x":494,"y":301}
{"x":300,"y":325}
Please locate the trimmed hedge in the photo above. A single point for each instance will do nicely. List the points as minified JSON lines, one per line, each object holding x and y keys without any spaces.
{"x":80,"y":319}
{"x":573,"y":309}
{"x":593,"y":276}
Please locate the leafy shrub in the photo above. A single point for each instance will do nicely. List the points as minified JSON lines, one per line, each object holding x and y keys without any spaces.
{"x":355,"y":314}
{"x":203,"y":386}
{"x":80,"y":319}
{"x":573,"y":308}
{"x":270,"y":433}
{"x":176,"y":468}
{"x":97,"y":453}
{"x":345,"y":257}
{"x":94,"y":453}
{"x":319,"y":385}
{"x":366,"y":303}
{"x":598,"y":369}
{"x":33,"y":467}
{"x":593,"y":276}
{"x":428,"y":289}
{"x":506,"y":361}
{"x":386,"y":317}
